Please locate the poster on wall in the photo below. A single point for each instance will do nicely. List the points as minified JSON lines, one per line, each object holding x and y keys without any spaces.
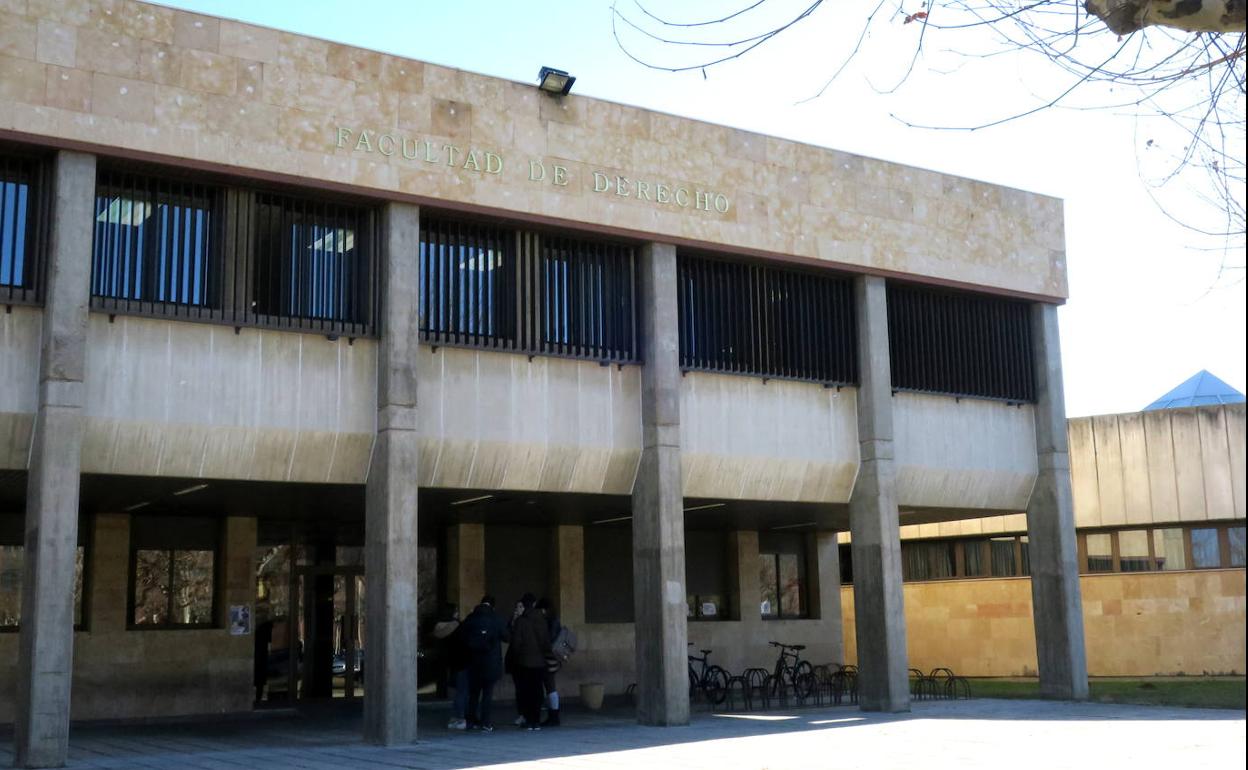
{"x":240,"y":619}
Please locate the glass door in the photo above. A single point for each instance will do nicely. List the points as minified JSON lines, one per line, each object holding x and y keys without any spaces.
{"x":329,"y":629}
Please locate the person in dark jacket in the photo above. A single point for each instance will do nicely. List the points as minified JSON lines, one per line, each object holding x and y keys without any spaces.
{"x":483,"y":633}
{"x":454,"y":654}
{"x":530,"y":647}
{"x":509,"y":660}
{"x":553,"y":665}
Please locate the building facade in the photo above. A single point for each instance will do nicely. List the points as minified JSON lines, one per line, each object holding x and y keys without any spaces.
{"x":1159,"y":511}
{"x":301,"y":340}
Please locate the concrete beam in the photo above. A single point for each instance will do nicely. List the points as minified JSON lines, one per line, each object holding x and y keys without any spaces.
{"x":1057,"y":608}
{"x":659,"y":600}
{"x":880,"y":618}
{"x":391,"y":493}
{"x":45,"y":658}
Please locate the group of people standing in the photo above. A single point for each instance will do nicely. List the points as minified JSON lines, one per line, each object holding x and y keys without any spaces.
{"x":473,"y":650}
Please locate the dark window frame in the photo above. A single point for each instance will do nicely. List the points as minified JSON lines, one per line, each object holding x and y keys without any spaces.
{"x":755,"y":319}
{"x":798,"y":548}
{"x":235,"y":293}
{"x":1221,"y":528}
{"x":218,"y":580}
{"x":961,"y":344}
{"x":85,"y":540}
{"x":115,"y":256}
{"x":550,"y":293}
{"x":32,"y":169}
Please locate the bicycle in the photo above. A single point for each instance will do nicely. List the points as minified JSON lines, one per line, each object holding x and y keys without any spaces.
{"x":710,"y":679}
{"x":798,"y":674}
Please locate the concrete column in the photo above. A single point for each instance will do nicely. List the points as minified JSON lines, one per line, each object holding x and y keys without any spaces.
{"x":1057,"y":608}
{"x":880,"y":620}
{"x":238,"y":565}
{"x":659,"y":603}
{"x":824,"y":558}
{"x":45,"y":657}
{"x":743,"y":574}
{"x":465,"y":565}
{"x":108,"y":582}
{"x":568,"y":576}
{"x":391,"y":492}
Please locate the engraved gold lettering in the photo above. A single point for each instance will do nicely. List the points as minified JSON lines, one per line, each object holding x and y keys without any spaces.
{"x":344,"y":134}
{"x":702,"y":200}
{"x":560,"y":176}
{"x":363,"y":143}
{"x":493,"y":163}
{"x":621,"y":186}
{"x":381,"y":145}
{"x":601,"y":183}
{"x":643,"y":190}
{"x":681,"y":193}
{"x":537,"y":171}
{"x":721,"y":203}
{"x":662,"y":194}
{"x":415,"y":145}
{"x":471,"y":163}
{"x":451,"y":152}
{"x":429,"y":156}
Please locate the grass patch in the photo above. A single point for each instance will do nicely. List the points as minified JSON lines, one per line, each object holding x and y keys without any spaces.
{"x":1196,"y":692}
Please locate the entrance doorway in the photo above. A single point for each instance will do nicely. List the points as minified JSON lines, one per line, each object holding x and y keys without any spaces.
{"x":329,"y":611}
{"x":310,"y":634}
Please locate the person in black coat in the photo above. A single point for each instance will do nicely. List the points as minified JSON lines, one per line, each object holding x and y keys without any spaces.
{"x":530,"y":648}
{"x":483,"y":633}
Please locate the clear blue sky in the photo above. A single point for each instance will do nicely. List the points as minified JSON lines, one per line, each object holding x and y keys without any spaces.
{"x":1146,"y":310}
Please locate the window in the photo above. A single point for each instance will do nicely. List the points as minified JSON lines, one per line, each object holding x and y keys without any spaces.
{"x":588,"y":295}
{"x":928,"y":560}
{"x":173,"y":572}
{"x":1133,"y":553}
{"x":973,"y":562}
{"x":1003,"y":557}
{"x":1100,"y":552}
{"x":20,"y":241}
{"x":153,"y":240}
{"x":782,"y":575}
{"x":172,"y":245}
{"x":311,"y":260}
{"x":958,"y":343}
{"x":12,"y":563}
{"x":1235,"y":535}
{"x":492,"y":286}
{"x":766,"y":321}
{"x":706,"y":575}
{"x":464,"y":276}
{"x":1206,"y":552}
{"x":1168,"y":549}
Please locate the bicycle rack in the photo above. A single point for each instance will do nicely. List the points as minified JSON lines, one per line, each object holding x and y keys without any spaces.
{"x":755,"y":686}
{"x":957,"y":687}
{"x":737,"y":684}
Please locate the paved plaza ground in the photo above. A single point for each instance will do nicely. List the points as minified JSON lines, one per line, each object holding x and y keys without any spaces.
{"x":982,"y":733}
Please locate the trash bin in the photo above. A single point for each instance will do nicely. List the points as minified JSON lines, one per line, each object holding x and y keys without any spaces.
{"x":591,"y":695}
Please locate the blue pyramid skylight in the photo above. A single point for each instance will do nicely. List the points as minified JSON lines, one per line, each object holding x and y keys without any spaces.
{"x":1201,"y":389}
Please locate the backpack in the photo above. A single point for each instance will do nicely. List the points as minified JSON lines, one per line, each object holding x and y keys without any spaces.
{"x":477,"y":635}
{"x":564,"y":644}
